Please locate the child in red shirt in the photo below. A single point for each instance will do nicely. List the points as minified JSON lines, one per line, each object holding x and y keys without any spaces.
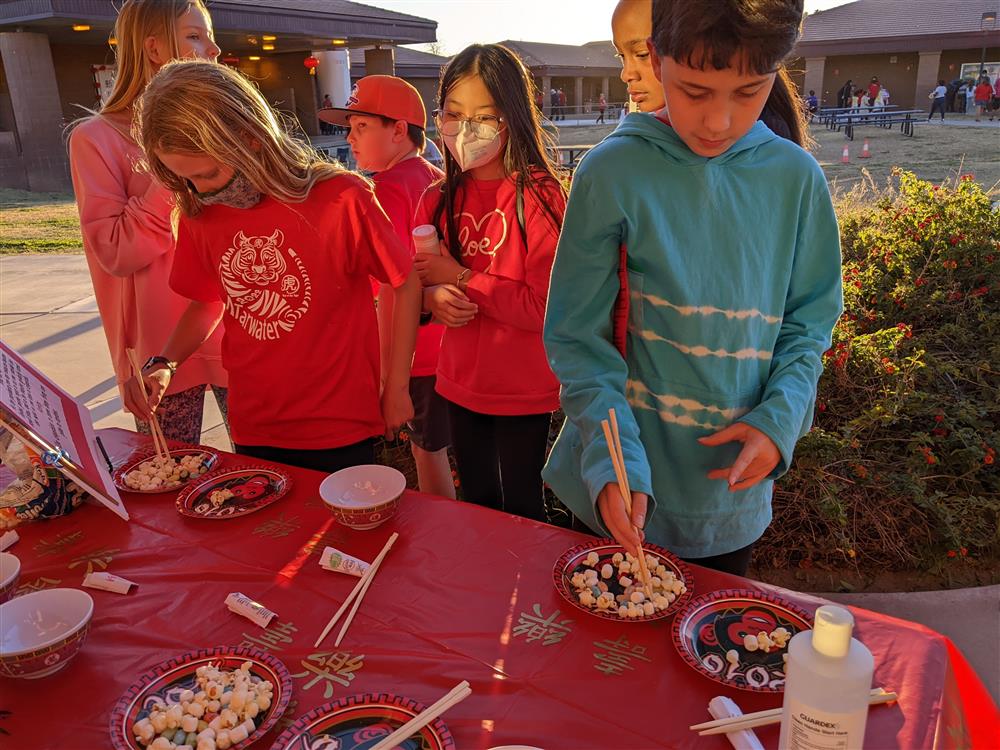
{"x":499,"y":210}
{"x":278,"y":245}
{"x":386,"y":118}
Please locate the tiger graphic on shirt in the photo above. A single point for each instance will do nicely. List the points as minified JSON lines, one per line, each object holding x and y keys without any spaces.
{"x":266,"y":293}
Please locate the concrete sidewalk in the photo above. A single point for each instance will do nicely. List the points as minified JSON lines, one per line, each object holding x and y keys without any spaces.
{"x":48,"y":313}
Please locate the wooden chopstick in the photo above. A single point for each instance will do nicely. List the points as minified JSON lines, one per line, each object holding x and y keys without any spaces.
{"x":459,"y":693}
{"x":357,"y":588}
{"x":613,"y":438}
{"x":364,"y":589}
{"x":162,"y":451}
{"x":772,"y":716}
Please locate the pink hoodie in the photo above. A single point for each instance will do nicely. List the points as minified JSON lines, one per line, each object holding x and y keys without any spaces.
{"x":129,"y":242}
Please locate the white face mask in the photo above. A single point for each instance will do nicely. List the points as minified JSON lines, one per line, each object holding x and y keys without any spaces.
{"x":471,"y":151}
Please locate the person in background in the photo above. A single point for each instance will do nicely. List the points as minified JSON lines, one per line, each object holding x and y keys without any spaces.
{"x":873,"y":89}
{"x":970,"y":97}
{"x":324,"y":127}
{"x":812,"y":104}
{"x":386,"y":120}
{"x":996,"y":97}
{"x":125,"y":215}
{"x":937,"y":100}
{"x":883,"y":97}
{"x":845,"y":95}
{"x":983,"y":95}
{"x":602,"y":105}
{"x":562,"y":103}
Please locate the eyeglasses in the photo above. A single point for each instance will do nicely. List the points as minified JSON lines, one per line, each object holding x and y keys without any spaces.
{"x":483,"y":127}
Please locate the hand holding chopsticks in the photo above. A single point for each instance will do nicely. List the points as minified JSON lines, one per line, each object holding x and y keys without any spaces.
{"x":159,"y":441}
{"x":459,"y":693}
{"x":357,"y":594}
{"x":770,"y":716}
{"x":613,"y":437}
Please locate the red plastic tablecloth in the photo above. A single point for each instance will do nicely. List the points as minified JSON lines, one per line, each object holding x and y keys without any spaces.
{"x":458,"y":597}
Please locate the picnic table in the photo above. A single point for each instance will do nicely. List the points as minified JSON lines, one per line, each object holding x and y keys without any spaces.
{"x":826,"y":114}
{"x":569,"y":156}
{"x":466,"y":593}
{"x":882,"y":119}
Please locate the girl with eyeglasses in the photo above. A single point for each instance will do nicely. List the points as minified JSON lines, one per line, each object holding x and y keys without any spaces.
{"x":498,"y":211}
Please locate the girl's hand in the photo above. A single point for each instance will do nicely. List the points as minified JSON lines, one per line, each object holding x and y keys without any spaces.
{"x":156,"y":382}
{"x":397,"y":408}
{"x":450,"y":305}
{"x":437,"y":269}
{"x":757,"y":459}
{"x":627,"y":532}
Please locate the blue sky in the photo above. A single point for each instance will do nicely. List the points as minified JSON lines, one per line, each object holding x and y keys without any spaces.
{"x":462,"y":22}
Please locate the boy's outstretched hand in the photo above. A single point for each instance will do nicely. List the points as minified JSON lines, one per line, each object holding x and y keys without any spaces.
{"x":611,"y":506}
{"x":757,"y":459}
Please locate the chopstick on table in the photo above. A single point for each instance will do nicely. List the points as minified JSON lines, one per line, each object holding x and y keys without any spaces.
{"x":459,"y":693}
{"x":359,"y":588}
{"x":613,"y":437}
{"x":159,"y":442}
{"x":771,"y":716}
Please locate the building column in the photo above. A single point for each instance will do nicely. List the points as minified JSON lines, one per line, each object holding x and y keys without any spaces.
{"x":333,"y":75}
{"x":927,"y":78}
{"x":815,"y":69}
{"x":380,"y":62}
{"x":34,"y":96}
{"x":578,"y":95}
{"x":546,"y":97}
{"x":604,"y":87}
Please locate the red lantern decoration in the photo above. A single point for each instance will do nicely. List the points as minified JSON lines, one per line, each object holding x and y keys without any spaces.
{"x":312,"y":63}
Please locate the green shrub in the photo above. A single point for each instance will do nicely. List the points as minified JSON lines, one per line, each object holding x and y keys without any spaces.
{"x":901,"y":468}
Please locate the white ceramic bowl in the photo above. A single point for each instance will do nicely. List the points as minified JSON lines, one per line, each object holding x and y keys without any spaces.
{"x":362,"y":497}
{"x":10,"y":570}
{"x":41,"y":631}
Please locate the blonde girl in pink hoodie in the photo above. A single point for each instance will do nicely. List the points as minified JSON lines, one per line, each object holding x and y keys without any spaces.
{"x":125,"y":215}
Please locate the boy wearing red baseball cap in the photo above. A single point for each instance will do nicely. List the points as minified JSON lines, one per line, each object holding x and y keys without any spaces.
{"x":386,"y":119}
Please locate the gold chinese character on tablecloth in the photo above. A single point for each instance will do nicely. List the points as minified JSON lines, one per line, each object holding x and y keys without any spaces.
{"x":272,"y":636}
{"x":539,"y":627}
{"x":615,"y":656}
{"x":331,"y":666}
{"x":278,"y":527}
{"x":37,"y":585}
{"x":46,"y":547}
{"x":99,"y":557}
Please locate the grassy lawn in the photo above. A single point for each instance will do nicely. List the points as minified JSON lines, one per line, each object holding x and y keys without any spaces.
{"x":47,"y":222}
{"x":934,"y":152}
{"x":38,"y":223}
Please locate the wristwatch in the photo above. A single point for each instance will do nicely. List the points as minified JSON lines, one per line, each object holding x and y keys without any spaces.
{"x":158,"y":360}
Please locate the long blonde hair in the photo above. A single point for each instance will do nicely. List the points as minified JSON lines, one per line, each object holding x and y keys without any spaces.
{"x":202,"y":108}
{"x":137,"y":21}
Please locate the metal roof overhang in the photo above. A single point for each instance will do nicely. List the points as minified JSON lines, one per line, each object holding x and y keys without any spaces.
{"x":896,"y":44}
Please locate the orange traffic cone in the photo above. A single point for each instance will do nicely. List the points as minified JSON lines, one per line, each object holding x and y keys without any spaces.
{"x":865,"y":151}
{"x":845,"y":158}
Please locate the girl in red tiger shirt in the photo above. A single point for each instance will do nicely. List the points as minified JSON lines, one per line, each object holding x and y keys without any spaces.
{"x":499,"y":211}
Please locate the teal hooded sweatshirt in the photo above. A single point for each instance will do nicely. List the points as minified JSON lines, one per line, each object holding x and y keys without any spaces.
{"x":734,"y":282}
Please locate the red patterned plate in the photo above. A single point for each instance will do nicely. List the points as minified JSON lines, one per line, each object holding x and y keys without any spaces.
{"x":167,"y":680}
{"x":571,"y":562}
{"x":138,"y":458}
{"x":250,"y":488}
{"x":360,"y":722}
{"x":715,"y":623}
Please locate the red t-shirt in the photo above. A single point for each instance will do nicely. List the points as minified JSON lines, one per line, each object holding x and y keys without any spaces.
{"x":873,"y":89}
{"x":983,"y":92}
{"x":398,"y":189}
{"x":301,"y":338}
{"x":496,"y":363}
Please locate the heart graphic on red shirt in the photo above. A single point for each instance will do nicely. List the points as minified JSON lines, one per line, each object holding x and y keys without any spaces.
{"x":481,"y":237}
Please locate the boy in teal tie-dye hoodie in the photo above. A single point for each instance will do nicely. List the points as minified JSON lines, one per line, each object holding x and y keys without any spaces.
{"x":733,"y":289}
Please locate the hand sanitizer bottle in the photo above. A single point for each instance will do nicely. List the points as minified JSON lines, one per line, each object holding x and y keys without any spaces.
{"x":828,"y":681}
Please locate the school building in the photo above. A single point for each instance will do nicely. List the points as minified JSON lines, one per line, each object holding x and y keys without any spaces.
{"x":909,"y":44}
{"x":582,"y":72}
{"x":56,"y":58}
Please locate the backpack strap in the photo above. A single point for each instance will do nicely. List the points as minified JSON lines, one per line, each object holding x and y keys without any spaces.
{"x":519,"y":190}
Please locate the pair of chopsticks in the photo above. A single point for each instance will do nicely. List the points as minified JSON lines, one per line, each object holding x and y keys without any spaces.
{"x":614,"y":439}
{"x":356,"y":595}
{"x":459,"y":693}
{"x":159,"y":442}
{"x":771,"y":716}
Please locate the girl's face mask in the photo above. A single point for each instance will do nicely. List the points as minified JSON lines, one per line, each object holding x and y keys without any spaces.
{"x":239,"y":192}
{"x":472,"y":143}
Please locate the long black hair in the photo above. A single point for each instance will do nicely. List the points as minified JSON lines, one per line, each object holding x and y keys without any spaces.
{"x":530,"y":151}
{"x":760,"y":34}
